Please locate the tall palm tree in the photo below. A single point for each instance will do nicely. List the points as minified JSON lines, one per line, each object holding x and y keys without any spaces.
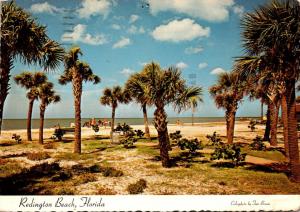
{"x":22,"y":37}
{"x":30,"y":81}
{"x":76,"y":72}
{"x":112,"y":97}
{"x":227,"y":93}
{"x":194,"y":103}
{"x":47,"y":96}
{"x":136,"y":90}
{"x":272,"y":31}
{"x":162,"y":88}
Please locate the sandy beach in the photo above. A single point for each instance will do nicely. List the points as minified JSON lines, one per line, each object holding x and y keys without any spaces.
{"x":187,"y":130}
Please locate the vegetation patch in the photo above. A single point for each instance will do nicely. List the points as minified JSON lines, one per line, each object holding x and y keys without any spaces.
{"x":101,"y":190}
{"x":138,"y":187}
{"x":258,"y":144}
{"x":38,"y":156}
{"x":86,"y":178}
{"x":49,"y":146}
{"x":229,"y":152}
{"x":111,"y":172}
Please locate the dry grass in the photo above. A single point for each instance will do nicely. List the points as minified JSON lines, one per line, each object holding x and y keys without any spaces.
{"x":196,"y":175}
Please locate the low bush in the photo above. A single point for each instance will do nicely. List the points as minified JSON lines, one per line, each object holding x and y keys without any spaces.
{"x":105,"y":191}
{"x":111,"y":172}
{"x":38,"y":156}
{"x":175,"y":136}
{"x":252,"y":125}
{"x":138,"y":187}
{"x":139,"y":133}
{"x":192,"y":145}
{"x":86,"y":178}
{"x":17,"y":138}
{"x":214,"y":139}
{"x":95,"y":128}
{"x":258,"y":144}
{"x":128,"y":141}
{"x":229,"y":152}
{"x":95,"y":168}
{"x":58,"y":134}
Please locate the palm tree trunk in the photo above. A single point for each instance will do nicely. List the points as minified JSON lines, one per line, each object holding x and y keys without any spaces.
{"x":160,"y":124}
{"x":5,"y":67}
{"x":273,"y":119}
{"x":268,"y":126}
{"x":112,"y":122}
{"x":77,"y":91}
{"x":42,"y":115}
{"x":230,"y":128}
{"x":147,"y":131}
{"x":29,"y":114}
{"x":284,"y":119}
{"x":261,"y":110}
{"x":292,"y":130}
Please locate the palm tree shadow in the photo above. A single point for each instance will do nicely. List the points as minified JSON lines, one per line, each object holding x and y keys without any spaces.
{"x":23,"y":183}
{"x":270,"y":168}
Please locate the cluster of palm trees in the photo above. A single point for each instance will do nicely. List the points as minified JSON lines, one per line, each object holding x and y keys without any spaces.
{"x":154,"y":86}
{"x":269,"y":71}
{"x":40,"y":88}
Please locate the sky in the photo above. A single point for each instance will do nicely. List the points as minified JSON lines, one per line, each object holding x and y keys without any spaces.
{"x":118,"y":37}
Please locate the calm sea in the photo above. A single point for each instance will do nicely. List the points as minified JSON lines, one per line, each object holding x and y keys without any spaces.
{"x":12,"y":124}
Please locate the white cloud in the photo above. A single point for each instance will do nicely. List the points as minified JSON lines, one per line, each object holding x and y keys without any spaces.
{"x":44,"y":8}
{"x":127,"y":71}
{"x":122,"y":43}
{"x":210,"y":10}
{"x":94,"y":7}
{"x":79,"y":35}
{"x":116,"y":26}
{"x":202,"y":65}
{"x":180,"y":30}
{"x":135,"y":30}
{"x":142,"y":63}
{"x":181,"y":65}
{"x":193,"y":50}
{"x":217,"y":71}
{"x":239,"y":10}
{"x":133,"y":18}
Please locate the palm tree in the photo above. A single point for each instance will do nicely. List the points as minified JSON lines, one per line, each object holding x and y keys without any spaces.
{"x":136,"y":90}
{"x":227,"y":93}
{"x":194,"y":103}
{"x":162,"y":88}
{"x":112,"y":97}
{"x":272,"y":31}
{"x":30,"y":81}
{"x":22,"y":37}
{"x":77,"y":72}
{"x":47,"y":96}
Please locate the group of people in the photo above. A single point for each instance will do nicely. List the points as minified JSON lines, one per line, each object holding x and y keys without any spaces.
{"x":100,"y":123}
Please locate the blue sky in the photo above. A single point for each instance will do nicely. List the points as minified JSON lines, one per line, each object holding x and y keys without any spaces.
{"x":201,"y":37}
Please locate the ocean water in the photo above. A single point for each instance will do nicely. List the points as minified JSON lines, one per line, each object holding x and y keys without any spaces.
{"x":12,"y":124}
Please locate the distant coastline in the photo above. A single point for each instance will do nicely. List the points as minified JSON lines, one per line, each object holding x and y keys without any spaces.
{"x":16,"y":124}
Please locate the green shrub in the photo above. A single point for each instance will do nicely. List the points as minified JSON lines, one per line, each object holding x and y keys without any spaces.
{"x":58,"y":134}
{"x":138,"y":187}
{"x":95,"y":168}
{"x":38,"y":156}
{"x":214,"y":139}
{"x":126,"y":129}
{"x":258,"y":144}
{"x":252,"y":125}
{"x":17,"y":138}
{"x":111,"y":172}
{"x":229,"y":152}
{"x":139,"y":133}
{"x":95,"y":128}
{"x":192,"y":145}
{"x":176,"y":136}
{"x":128,"y":141}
